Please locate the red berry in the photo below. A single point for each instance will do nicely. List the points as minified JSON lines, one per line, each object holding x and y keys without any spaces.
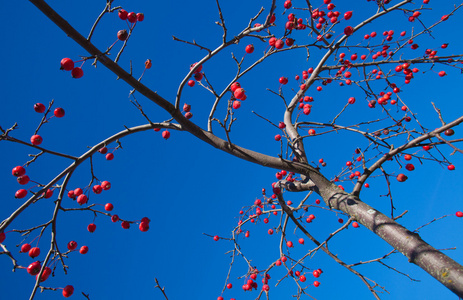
{"x":289,"y":244}
{"x":216,"y":238}
{"x":287,"y":4}
{"x":459,"y":214}
{"x":18,"y":171}
{"x":68,"y":291}
{"x":72,"y":245}
{"x":401,"y":177}
{"x":277,"y":137}
{"x":122,"y":35}
{"x":48,"y":194}
{"x":97,"y":189}
{"x":23,"y":179}
{"x":125,"y":225}
{"x":77,"y":72}
{"x":82,"y":199}
{"x":25,"y":248}
{"x":34,"y":252}
{"x":166,"y":134}
{"x":249,"y":48}
{"x":34,"y":268}
{"x":39,"y":107}
{"x":109,"y":156}
{"x":236,"y":104}
{"x":410,"y":167}
{"x":2,"y":237}
{"x":123,"y":14}
{"x":36,"y":139}
{"x":238,"y":93}
{"x":140,"y":17}
{"x":106,"y":185}
{"x":91,"y":227}
{"x":316,"y":283}
{"x":355,"y":225}
{"x":66,"y":64}
{"x":348,"y":15}
{"x":114,"y":218}
{"x":144,"y":226}
{"x":279,"y":44}
{"x":132,"y":17}
{"x":45,"y":274}
{"x":449,"y":132}
{"x":108,"y":207}
{"x":103,"y":150}
{"x":451,"y":167}
{"x":348,"y":30}
{"x":83,"y":250}
{"x":59,"y":112}
{"x":78,"y":192}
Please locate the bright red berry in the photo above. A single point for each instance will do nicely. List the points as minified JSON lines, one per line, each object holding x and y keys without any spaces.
{"x":23,"y":179}
{"x":140,"y":17}
{"x":72,"y":245}
{"x":123,"y":14}
{"x":109,"y":156}
{"x":125,"y":225}
{"x":108,"y":207}
{"x":68,"y":291}
{"x":36,"y":140}
{"x":132,"y":17}
{"x":91,"y":227}
{"x":459,"y":214}
{"x":18,"y":171}
{"x":83,"y":250}
{"x":67,"y":64}
{"x":166,"y":134}
{"x":34,"y":252}
{"x":39,"y":107}
{"x":25,"y":248}
{"x":34,"y":268}
{"x":59,"y":112}
{"x":249,"y":48}
{"x":144,"y":226}
{"x":77,"y":72}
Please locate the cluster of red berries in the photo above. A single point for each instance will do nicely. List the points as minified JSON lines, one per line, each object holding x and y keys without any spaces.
{"x":186,"y":109}
{"x":238,"y":93}
{"x":67,"y":64}
{"x":130,"y":16}
{"x":196,"y":74}
{"x":108,"y":156}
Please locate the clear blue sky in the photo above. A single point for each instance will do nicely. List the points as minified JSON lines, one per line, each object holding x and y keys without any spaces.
{"x":188,"y":188}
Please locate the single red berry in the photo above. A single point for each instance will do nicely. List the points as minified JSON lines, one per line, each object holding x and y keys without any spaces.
{"x":71,"y":194}
{"x":46,"y":273}
{"x":166,"y":134}
{"x":72,"y":245}
{"x":236,"y":104}
{"x":2,"y":237}
{"x":82,"y":199}
{"x":108,"y":207}
{"x":68,"y":291}
{"x":301,"y":241}
{"x":18,"y":171}
{"x":78,"y":192}
{"x":410,"y":167}
{"x":289,"y":244}
{"x":451,"y":167}
{"x":109,"y":156}
{"x":216,"y":238}
{"x":91,"y":227}
{"x":277,"y":137}
{"x":316,"y":283}
{"x":348,"y":30}
{"x":132,"y":17}
{"x":122,"y":35}
{"x":401,"y":177}
{"x":59,"y":112}
{"x":77,"y":72}
{"x":23,"y":179}
{"x":459,"y":214}
{"x":279,"y":44}
{"x":302,"y":278}
{"x":123,"y":14}
{"x":287,"y":4}
{"x":239,"y":93}
{"x":125,"y":225}
{"x":355,"y":225}
{"x":249,"y":48}
{"x":114,"y":218}
{"x":140,"y":17}
{"x":39,"y":107}
{"x":97,"y":189}
{"x":36,"y":140}
{"x":83,"y":250}
{"x":106,"y":185}
{"x":191,"y":82}
{"x":34,"y":252}
{"x":144,"y":226}
{"x":34,"y":268}
{"x":442,"y":73}
{"x":103,"y":150}
{"x":67,"y":64}
{"x":186,"y":107}
{"x":25,"y":248}
{"x":348,"y":15}
{"x":48,"y":194}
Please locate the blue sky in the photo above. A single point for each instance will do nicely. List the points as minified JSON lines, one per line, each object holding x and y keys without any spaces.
{"x":188,"y":188}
